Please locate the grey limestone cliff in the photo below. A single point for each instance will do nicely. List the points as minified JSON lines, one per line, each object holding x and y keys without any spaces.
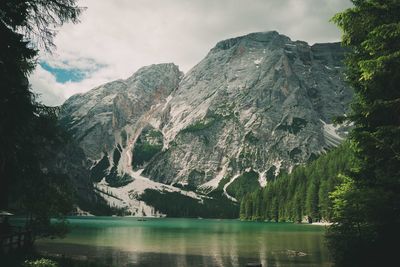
{"x":260,"y":103}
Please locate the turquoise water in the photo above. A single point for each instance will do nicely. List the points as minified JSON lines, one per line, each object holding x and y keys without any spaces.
{"x":190,"y":242}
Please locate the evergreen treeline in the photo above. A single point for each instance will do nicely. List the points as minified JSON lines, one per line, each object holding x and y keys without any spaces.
{"x":304,"y":193}
{"x":177,"y":205}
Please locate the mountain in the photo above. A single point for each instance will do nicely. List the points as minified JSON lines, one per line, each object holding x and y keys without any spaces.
{"x":254,"y":106}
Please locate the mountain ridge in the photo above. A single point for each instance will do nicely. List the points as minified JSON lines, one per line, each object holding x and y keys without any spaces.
{"x":257,"y":103}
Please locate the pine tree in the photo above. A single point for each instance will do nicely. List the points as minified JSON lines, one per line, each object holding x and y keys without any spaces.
{"x":312,"y":199}
{"x":25,"y":26}
{"x":304,"y":192}
{"x":242,"y":211}
{"x":367,"y":205}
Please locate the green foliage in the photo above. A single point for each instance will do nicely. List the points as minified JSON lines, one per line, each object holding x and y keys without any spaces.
{"x":294,"y":152}
{"x":296,"y":126}
{"x":187,"y":187}
{"x":98,"y":171}
{"x":251,"y":138}
{"x":41,"y":193}
{"x":195,"y":177}
{"x":17,"y":109}
{"x":304,"y":192}
{"x":149,"y":144}
{"x":117,"y":155}
{"x":37,"y":19}
{"x":353,"y":233}
{"x":40,"y":263}
{"x":270,"y":174}
{"x":124,"y":137}
{"x":33,"y":259}
{"x":29,"y":132}
{"x":245,"y":183}
{"x":221,"y":183}
{"x":98,"y":206}
{"x":144,"y":152}
{"x":177,"y":205}
{"x":115,"y":180}
{"x":112,"y":177}
{"x":200,"y":125}
{"x":366,"y":218}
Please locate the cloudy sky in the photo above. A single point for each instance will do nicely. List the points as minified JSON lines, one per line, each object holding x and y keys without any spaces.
{"x":116,"y":37}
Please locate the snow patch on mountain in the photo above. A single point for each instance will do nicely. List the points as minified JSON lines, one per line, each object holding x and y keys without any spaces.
{"x":277,"y":163}
{"x":331,"y":133}
{"x":128,"y":196}
{"x":262,"y":178}
{"x":228,"y":184}
{"x":213,"y":183}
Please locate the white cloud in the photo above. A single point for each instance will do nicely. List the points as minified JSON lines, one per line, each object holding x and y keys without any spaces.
{"x":46,"y":87}
{"x":124,"y":35}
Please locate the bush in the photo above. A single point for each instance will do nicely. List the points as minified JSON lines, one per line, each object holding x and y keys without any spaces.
{"x":40,"y":263}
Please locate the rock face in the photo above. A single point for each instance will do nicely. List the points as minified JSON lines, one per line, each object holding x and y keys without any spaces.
{"x":99,"y":117}
{"x":259,"y":103}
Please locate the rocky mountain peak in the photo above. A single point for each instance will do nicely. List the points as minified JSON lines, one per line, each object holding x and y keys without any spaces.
{"x":256,"y":105}
{"x":269,"y":38}
{"x":258,"y":102}
{"x":95,"y":116}
{"x":155,"y":76}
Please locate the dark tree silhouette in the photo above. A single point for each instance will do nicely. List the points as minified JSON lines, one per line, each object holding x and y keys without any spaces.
{"x":25,"y":127}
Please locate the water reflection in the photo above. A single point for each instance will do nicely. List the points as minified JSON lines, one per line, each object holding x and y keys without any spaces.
{"x":186,"y":242}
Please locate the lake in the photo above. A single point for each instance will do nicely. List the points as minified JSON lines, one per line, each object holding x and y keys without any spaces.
{"x":124,"y":241}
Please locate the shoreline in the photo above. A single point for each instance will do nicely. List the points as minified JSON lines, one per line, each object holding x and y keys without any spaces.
{"x":218,"y":219}
{"x":320,"y":223}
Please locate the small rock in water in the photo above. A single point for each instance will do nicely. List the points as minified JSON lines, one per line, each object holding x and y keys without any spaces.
{"x":293,"y":253}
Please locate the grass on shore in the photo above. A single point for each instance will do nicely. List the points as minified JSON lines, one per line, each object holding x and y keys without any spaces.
{"x":31,"y":258}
